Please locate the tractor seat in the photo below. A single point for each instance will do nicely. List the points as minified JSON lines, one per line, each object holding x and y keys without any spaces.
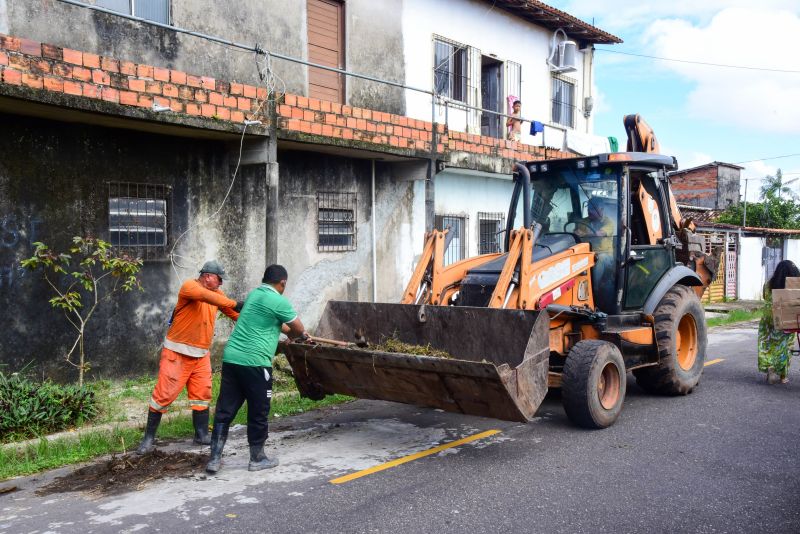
{"x":549,"y":244}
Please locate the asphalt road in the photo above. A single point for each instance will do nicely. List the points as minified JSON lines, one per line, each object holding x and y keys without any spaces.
{"x":723,"y":459}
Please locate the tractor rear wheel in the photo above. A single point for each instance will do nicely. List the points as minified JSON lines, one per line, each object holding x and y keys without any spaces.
{"x":593,"y":384}
{"x":681,"y":339}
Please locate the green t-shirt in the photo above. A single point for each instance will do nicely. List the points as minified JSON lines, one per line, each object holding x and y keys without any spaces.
{"x":255,"y":336}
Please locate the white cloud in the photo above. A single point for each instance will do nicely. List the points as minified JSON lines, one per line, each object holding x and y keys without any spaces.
{"x":630,"y":16}
{"x":749,"y":99}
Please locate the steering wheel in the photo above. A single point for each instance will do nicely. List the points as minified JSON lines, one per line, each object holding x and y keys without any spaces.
{"x":590,"y":230}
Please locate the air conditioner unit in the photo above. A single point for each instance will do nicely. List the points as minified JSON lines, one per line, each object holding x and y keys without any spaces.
{"x":565,"y":58}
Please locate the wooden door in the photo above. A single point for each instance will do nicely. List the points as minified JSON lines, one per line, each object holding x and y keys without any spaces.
{"x":325,"y":47}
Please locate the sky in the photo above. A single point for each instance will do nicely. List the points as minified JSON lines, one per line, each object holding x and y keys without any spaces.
{"x":702,"y":113}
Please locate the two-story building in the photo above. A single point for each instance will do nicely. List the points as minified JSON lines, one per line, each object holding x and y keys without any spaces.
{"x":185,"y":131}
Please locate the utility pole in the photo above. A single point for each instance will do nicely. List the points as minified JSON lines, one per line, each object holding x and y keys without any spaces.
{"x":744,"y":215}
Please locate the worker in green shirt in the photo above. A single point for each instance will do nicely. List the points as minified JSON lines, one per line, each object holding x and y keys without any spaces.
{"x":247,"y":367}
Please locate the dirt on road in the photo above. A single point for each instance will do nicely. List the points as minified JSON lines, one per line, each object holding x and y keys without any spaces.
{"x":128,"y":472}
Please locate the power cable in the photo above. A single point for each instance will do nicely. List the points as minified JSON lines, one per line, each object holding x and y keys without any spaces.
{"x":766,"y":159}
{"x":693,"y":62}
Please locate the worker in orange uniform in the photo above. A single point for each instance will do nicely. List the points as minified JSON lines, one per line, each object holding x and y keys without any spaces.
{"x":185,"y":359}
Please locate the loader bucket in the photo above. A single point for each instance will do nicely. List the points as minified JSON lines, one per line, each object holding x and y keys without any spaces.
{"x":499,"y":365}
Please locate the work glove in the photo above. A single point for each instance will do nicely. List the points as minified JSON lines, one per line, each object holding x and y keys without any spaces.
{"x":239,"y":306}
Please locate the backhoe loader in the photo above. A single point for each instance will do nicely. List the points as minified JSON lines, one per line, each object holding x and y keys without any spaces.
{"x":602,"y":277}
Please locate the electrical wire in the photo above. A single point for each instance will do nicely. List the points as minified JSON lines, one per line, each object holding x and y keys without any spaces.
{"x":693,"y":62}
{"x":766,"y":159}
{"x":270,"y":82}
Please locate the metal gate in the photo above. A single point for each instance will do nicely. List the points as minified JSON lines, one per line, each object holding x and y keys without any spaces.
{"x":772,"y":254}
{"x":730,"y":266}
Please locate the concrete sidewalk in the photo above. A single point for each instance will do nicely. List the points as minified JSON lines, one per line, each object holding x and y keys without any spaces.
{"x":720,"y":309}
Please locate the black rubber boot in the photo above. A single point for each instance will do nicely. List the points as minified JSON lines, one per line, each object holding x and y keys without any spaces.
{"x":200,"y":420}
{"x":259,"y":460}
{"x":218,"y":438}
{"x":148,"y":442}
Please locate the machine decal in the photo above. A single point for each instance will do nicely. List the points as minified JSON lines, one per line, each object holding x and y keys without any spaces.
{"x":553,"y":274}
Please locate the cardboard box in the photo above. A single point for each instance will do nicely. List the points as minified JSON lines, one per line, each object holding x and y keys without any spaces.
{"x":793,"y":283}
{"x":786,"y":308}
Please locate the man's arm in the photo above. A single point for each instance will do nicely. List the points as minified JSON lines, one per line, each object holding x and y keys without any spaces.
{"x":294,"y":329}
{"x":215,"y":298}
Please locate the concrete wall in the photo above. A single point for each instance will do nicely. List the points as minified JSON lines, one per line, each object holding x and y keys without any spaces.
{"x":467,"y":193}
{"x":791,"y":250}
{"x":374,"y":46}
{"x":373,"y":34}
{"x":496,"y":32}
{"x":751,"y":271}
{"x":53,"y":185}
{"x":318,"y":276}
{"x":728,"y":185}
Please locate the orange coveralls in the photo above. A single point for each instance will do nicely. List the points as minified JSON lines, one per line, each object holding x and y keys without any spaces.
{"x":185,"y":360}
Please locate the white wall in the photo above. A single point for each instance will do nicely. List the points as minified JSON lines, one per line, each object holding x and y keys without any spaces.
{"x":751,"y":271}
{"x":791,"y":250}
{"x":465,"y":193}
{"x":493,"y":31}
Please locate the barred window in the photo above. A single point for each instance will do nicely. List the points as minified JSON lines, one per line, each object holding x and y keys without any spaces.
{"x":155,"y":10}
{"x":457,"y":236}
{"x":490,"y":226}
{"x":564,"y":101}
{"x":336,"y":221}
{"x":139,"y":218}
{"x":450,"y":69}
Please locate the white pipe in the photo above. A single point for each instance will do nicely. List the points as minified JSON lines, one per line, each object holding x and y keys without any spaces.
{"x":374,"y":242}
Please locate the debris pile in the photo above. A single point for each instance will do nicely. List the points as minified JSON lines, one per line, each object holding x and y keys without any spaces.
{"x":127,"y":472}
{"x":393,"y":344}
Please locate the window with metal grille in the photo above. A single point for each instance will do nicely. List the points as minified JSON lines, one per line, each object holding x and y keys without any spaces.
{"x":457,"y":237}
{"x":139,"y":218}
{"x":450,"y":69}
{"x":336,"y":221}
{"x":490,"y":226}
{"x":155,"y":10}
{"x":564,"y":101}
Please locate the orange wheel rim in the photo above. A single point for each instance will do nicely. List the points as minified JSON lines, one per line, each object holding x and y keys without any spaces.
{"x":608,"y":386}
{"x":686,"y":342}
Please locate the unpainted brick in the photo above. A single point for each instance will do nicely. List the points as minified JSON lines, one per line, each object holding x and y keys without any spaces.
{"x":177,"y":76}
{"x":135,"y":84}
{"x":52,"y":83}
{"x":161,"y":74}
{"x":52,"y":52}
{"x":11,"y":76}
{"x":91,"y":61}
{"x":30,"y":47}
{"x":110,"y":65}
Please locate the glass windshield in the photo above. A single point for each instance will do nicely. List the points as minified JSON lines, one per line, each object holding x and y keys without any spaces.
{"x":582,"y":204}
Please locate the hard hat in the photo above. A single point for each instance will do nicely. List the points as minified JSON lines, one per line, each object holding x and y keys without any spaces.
{"x":213,"y":267}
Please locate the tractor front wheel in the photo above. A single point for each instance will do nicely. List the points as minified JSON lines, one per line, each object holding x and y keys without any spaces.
{"x":681,"y":339}
{"x":593,"y":384}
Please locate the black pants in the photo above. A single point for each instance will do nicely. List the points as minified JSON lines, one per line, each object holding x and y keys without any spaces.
{"x":253,"y":384}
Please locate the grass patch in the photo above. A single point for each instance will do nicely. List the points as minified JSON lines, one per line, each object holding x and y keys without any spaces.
{"x":735,"y":316}
{"x":112,"y":399}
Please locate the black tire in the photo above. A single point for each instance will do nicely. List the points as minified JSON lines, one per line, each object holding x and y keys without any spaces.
{"x":679,"y":368}
{"x":592,"y":372}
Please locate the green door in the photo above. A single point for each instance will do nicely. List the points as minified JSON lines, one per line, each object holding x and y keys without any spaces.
{"x":644,"y":268}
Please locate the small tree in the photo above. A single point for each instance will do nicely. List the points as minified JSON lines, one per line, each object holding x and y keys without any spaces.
{"x":777,"y":208}
{"x":93,"y":272}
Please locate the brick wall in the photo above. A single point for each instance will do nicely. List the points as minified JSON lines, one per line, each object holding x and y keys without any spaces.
{"x":44,"y":67}
{"x":697,"y":187}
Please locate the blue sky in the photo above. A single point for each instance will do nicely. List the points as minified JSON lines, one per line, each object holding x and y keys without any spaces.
{"x":703,"y":113}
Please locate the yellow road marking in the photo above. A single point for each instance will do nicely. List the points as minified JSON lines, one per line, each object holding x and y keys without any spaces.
{"x":412,"y":457}
{"x":712,"y":362}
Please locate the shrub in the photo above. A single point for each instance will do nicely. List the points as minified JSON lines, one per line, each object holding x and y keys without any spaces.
{"x":29,"y":409}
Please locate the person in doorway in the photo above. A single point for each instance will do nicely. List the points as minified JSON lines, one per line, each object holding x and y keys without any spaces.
{"x":247,"y":367}
{"x":514,"y":122}
{"x":597,"y":225}
{"x":774,"y":346}
{"x":185,"y":359}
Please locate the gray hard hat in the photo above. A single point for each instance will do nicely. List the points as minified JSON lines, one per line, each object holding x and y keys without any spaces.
{"x":213,"y":267}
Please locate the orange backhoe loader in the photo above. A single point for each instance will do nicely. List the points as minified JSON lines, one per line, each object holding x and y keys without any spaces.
{"x":602,"y":277}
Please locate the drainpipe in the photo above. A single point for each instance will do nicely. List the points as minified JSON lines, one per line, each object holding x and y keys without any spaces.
{"x":374,"y":242}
